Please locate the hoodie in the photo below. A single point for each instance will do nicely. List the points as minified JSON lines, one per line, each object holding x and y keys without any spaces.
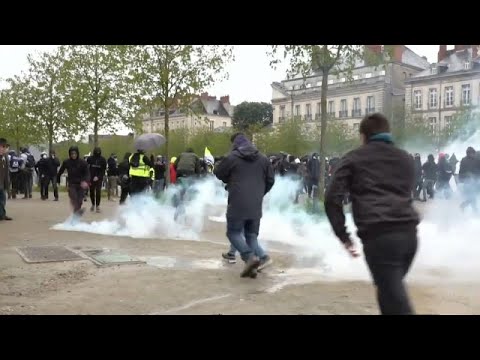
{"x":97,"y":165}
{"x":77,"y":168}
{"x":469,"y":167}
{"x":430,"y":169}
{"x":249,"y":176}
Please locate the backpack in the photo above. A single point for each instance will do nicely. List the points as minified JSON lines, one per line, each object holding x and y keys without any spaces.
{"x":14,"y":163}
{"x":30,"y":161}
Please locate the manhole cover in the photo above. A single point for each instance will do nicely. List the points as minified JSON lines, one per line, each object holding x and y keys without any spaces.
{"x":109,"y":257}
{"x":43,"y":254}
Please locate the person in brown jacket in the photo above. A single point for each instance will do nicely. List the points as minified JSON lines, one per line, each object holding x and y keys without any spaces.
{"x":4,"y":179}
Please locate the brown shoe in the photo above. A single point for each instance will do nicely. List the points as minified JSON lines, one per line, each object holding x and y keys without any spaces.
{"x":250,"y":266}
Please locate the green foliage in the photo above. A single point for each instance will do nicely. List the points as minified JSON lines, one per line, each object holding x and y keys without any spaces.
{"x":252,"y":113}
{"x":100,"y":95}
{"x":15,"y":123}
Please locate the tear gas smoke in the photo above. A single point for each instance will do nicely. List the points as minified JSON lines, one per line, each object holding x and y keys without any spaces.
{"x":448,"y":244}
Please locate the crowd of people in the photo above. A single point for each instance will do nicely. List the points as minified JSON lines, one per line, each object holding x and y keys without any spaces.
{"x":379,"y":179}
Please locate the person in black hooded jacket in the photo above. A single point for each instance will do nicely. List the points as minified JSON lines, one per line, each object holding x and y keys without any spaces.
{"x":97,"y":166}
{"x":249,"y":176}
{"x":78,"y":176}
{"x":469,"y":177}
{"x":430,"y":174}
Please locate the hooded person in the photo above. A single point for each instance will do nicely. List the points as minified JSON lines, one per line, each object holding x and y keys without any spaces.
{"x":4,"y":179}
{"x":159,"y":182}
{"x":42,"y":169}
{"x":430,"y":169}
{"x":248,"y":176}
{"x":123,"y":174}
{"x":469,"y":177}
{"x":78,"y":177}
{"x":97,"y":166}
{"x":444,"y":175}
{"x":53,"y":165}
{"x":27,"y":172}
{"x":417,"y":163}
{"x":112,"y":173}
{"x":15,"y":165}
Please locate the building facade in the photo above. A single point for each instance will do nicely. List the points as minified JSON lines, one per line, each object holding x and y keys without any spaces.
{"x":207,"y":112}
{"x":372,"y":89}
{"x":451,"y":85}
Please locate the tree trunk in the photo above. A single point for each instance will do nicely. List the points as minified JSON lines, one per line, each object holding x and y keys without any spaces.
{"x":95,"y":132}
{"x":50,"y":139}
{"x":323,"y":134}
{"x":167,"y":156}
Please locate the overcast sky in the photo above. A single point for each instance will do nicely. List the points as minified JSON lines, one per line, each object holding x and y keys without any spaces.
{"x":250,"y":74}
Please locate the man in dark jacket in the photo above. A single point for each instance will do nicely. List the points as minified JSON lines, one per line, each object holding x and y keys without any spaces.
{"x":249,"y":176}
{"x":78,"y":177}
{"x":187,"y":164}
{"x":469,"y":177}
{"x":123,"y":174}
{"x":4,"y":179}
{"x":430,"y":170}
{"x":159,"y":167}
{"x":53,"y":165}
{"x":96,"y":166}
{"x":380,"y":179}
{"x":41,"y":167}
{"x":445,"y":173}
{"x":112,"y":173}
{"x":313,"y":168}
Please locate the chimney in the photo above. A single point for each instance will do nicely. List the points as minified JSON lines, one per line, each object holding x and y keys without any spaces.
{"x":377,"y":49}
{"x":204,"y":96}
{"x":442,"y":52}
{"x":225,"y":99}
{"x":398,"y":52}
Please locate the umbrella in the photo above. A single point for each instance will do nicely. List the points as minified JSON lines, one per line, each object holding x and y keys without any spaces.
{"x":148,"y":142}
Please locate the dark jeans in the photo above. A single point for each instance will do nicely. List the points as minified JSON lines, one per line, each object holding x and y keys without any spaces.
{"x":124,"y":193}
{"x":138,"y":185}
{"x":27,"y":178}
{"x":3,"y":201}
{"x":44,"y":182}
{"x":96,"y":192}
{"x":237,"y":229}
{"x":158,"y":186}
{"x":15,"y":178}
{"x":389,"y":257}
{"x":76,"y":194}
{"x":53,"y":180}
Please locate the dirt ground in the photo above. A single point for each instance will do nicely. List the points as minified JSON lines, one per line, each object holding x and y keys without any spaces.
{"x":81,"y":287}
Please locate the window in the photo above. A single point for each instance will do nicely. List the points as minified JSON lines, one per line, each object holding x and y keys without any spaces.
{"x":308,"y":109}
{"x":319,"y":110}
{"x":418,"y":99}
{"x":449,"y":96}
{"x":343,"y":108}
{"x":448,"y":122}
{"x":309,"y":86}
{"x":224,"y":124}
{"x":382,"y":73}
{"x":432,"y":98}
{"x":368,"y":75}
{"x":467,"y":65}
{"x":342,"y":79}
{"x":370,"y":104}
{"x":466,"y":94}
{"x":330,"y":82}
{"x":215,"y":112}
{"x":211,"y":125}
{"x":282,"y":111}
{"x":319,"y":83}
{"x":356,"y":77}
{"x":297,"y":110}
{"x":331,"y":107}
{"x":433,"y":124}
{"x":433,"y":70}
{"x":356,"y":107}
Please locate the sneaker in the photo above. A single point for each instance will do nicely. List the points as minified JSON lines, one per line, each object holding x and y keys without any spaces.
{"x":56,"y":199}
{"x":229,"y":257}
{"x":254,"y":273}
{"x":98,"y":210}
{"x":250,"y":266}
{"x":92,"y":208}
{"x":265,"y":262}
{"x":6,"y":218}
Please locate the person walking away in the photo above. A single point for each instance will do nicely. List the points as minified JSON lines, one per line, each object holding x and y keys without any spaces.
{"x":53,"y":165}
{"x":444,"y":175}
{"x":469,"y":178}
{"x":173,"y":172}
{"x":313,"y":168}
{"x":380,"y":178}
{"x":27,"y":172}
{"x":418,"y":178}
{"x":123,"y":173}
{"x":248,"y":175}
{"x":16,"y":163}
{"x":78,"y":177}
{"x":159,"y":168}
{"x":187,"y":166}
{"x":139,"y":172}
{"x":43,"y":174}
{"x":96,"y":167}
{"x":112,"y":174}
{"x":430,"y":170}
{"x":453,"y":163}
{"x":4,"y":179}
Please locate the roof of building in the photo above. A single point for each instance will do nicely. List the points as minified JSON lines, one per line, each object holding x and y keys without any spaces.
{"x":453,"y":63}
{"x":214,"y":107}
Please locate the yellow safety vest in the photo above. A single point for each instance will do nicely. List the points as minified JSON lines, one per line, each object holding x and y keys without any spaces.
{"x":142,"y":170}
